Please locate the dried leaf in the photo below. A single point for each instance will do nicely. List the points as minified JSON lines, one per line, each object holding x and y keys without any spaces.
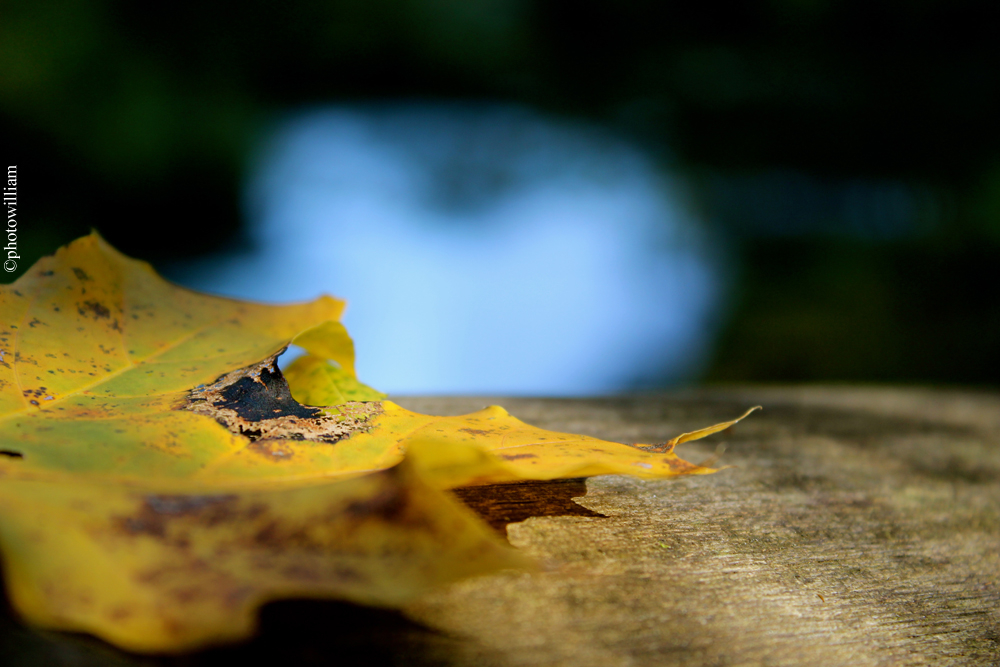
{"x":158,"y":481}
{"x":159,"y":568}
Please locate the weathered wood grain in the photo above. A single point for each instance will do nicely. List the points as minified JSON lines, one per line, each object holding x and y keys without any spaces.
{"x":858,"y":526}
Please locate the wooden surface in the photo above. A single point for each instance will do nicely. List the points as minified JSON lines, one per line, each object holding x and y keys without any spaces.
{"x":858,"y":527}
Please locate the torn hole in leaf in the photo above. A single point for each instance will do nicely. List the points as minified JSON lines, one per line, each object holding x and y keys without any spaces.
{"x":290,"y":354}
{"x":256,"y":402}
{"x":9,"y":453}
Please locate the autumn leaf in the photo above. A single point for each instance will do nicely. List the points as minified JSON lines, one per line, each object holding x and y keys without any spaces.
{"x":159,"y":480}
{"x":315,"y":381}
{"x":166,"y":568}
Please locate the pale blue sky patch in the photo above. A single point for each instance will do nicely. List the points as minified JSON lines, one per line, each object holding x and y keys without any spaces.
{"x":482,"y":249}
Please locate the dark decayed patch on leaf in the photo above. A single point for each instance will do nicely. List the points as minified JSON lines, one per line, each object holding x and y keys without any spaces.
{"x":157,"y":510}
{"x":96,"y":309}
{"x":256,"y":402}
{"x":264,"y":396}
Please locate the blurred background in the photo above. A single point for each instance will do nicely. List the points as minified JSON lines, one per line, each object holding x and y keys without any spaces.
{"x":540,"y":197}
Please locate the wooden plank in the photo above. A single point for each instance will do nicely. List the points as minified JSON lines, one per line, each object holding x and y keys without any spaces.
{"x":859,"y":526}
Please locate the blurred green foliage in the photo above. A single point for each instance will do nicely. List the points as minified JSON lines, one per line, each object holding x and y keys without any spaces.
{"x":134,"y":116}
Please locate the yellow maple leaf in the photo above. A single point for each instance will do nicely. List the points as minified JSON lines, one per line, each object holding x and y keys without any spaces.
{"x":158,"y":481}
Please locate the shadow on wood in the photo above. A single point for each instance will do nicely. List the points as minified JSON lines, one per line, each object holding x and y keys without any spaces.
{"x":502,"y":504}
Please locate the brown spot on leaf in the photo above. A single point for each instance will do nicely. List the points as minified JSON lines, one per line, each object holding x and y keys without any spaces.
{"x":187,"y":594}
{"x":680,"y":466}
{"x":389,"y":505}
{"x":275,"y":450}
{"x":157,"y":511}
{"x":514,"y":457}
{"x":476,"y":431}
{"x":119,"y":614}
{"x":95,"y":309}
{"x":267,"y":536}
{"x":24,"y":359}
{"x":80,"y":274}
{"x":256,"y":402}
{"x":301,"y":572}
